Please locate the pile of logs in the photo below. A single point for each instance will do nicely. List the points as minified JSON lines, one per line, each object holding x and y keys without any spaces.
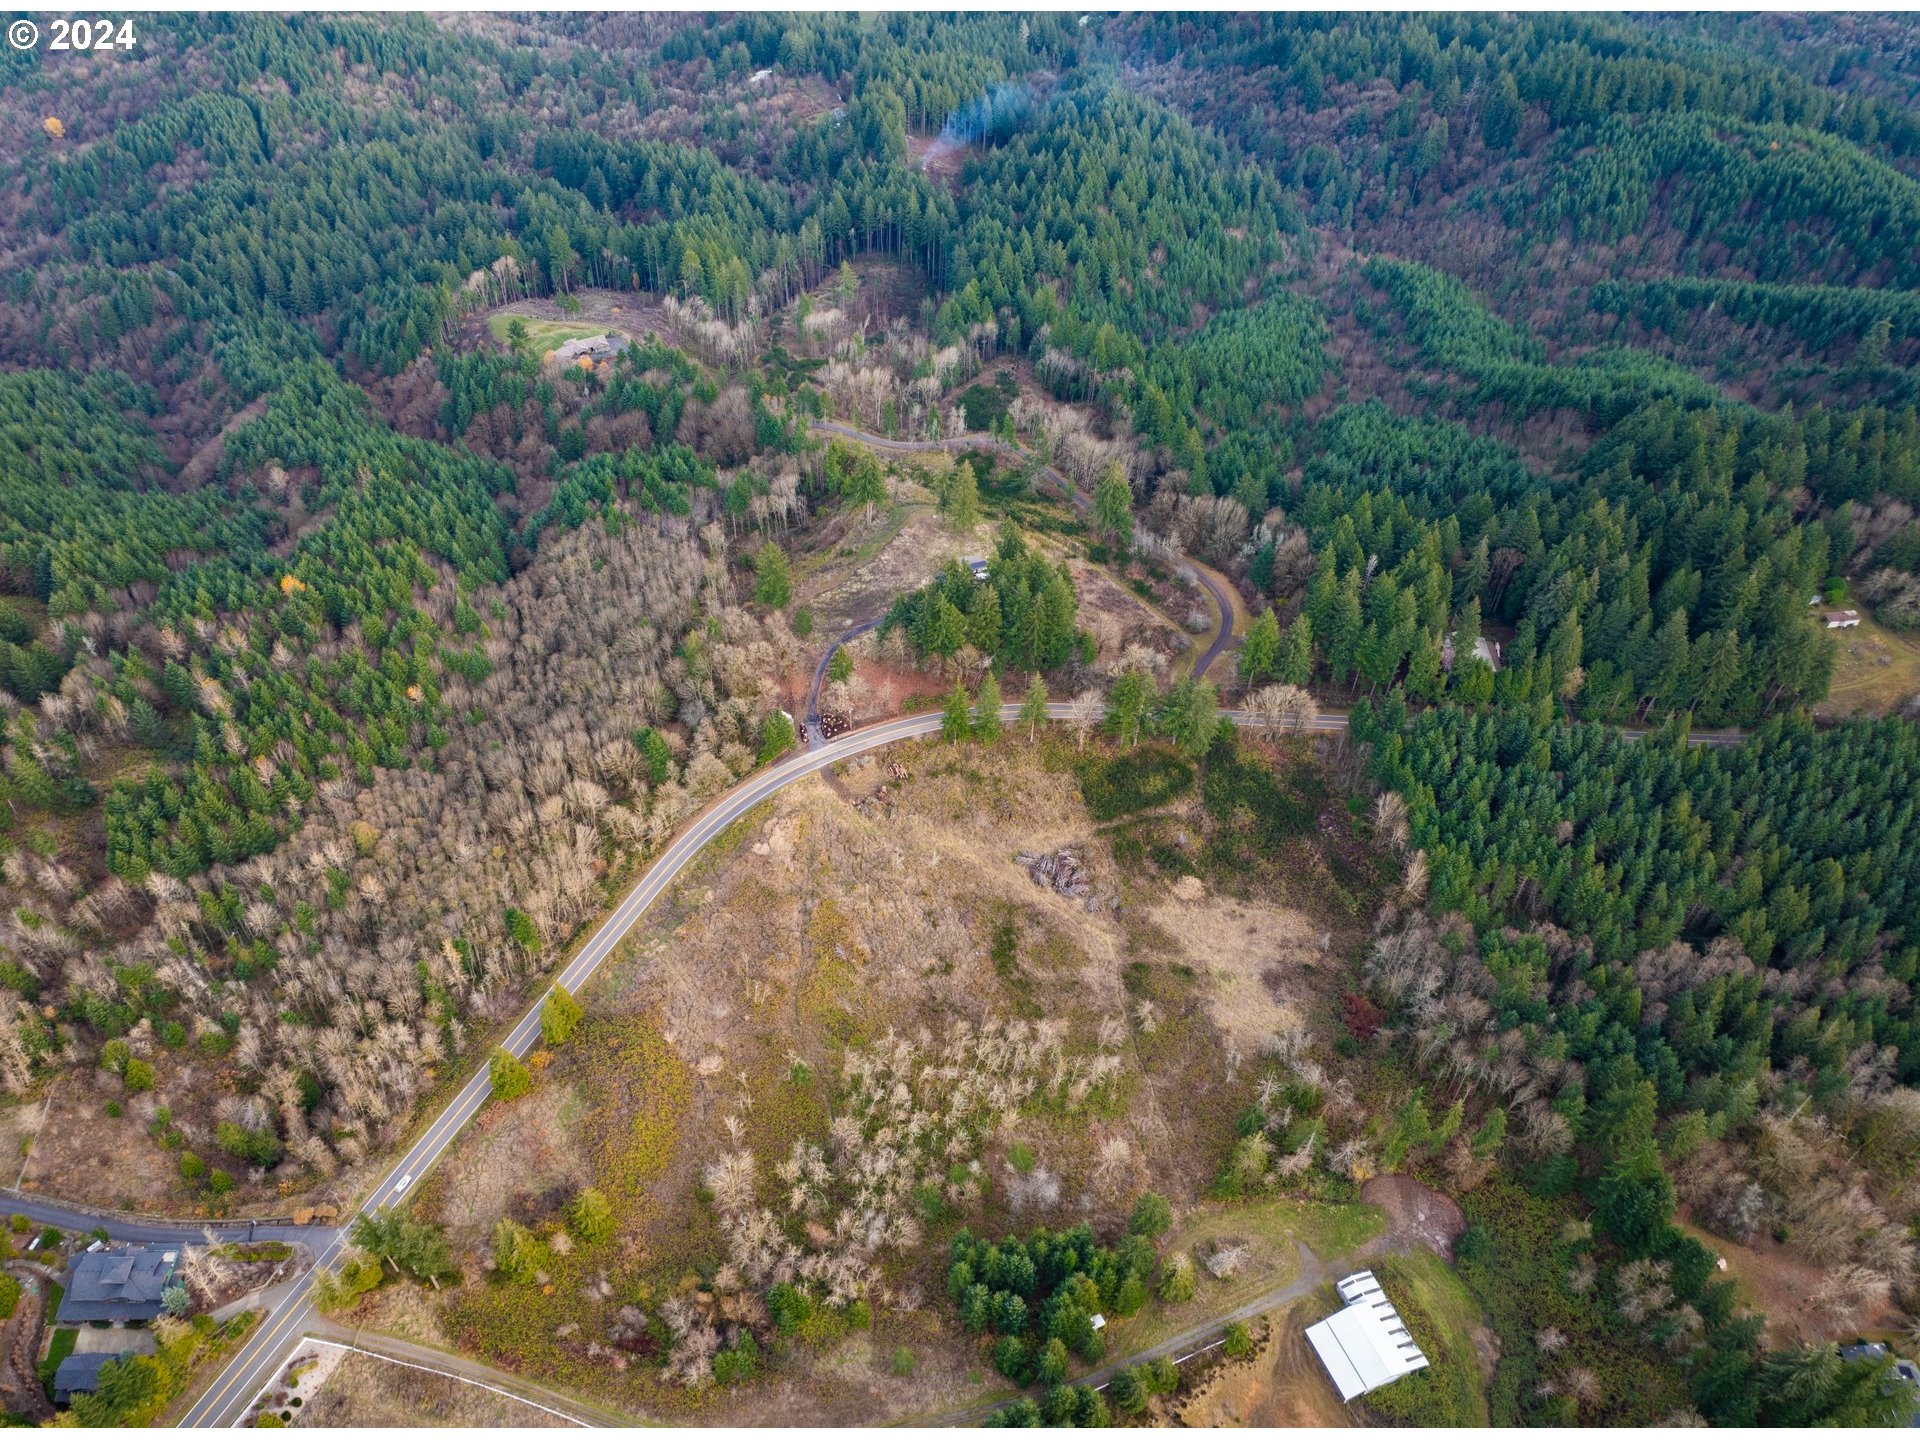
{"x":1059,"y":871}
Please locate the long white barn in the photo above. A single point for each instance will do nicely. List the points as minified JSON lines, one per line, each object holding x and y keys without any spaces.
{"x":1365,"y":1345}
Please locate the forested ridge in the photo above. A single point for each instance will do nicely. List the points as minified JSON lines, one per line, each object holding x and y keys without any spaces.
{"x":1532,"y":377}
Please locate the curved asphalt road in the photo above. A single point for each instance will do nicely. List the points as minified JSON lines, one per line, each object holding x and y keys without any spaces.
{"x":974,"y":440}
{"x":293,"y":1313}
{"x":80,"y":1220}
{"x":260,"y":1356}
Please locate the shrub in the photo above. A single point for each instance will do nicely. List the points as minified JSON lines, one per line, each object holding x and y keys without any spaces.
{"x":1020,"y":1157}
{"x":903,"y":1362}
{"x":139,"y":1077}
{"x":192,"y":1167}
{"x":591,"y":1216}
{"x":114,"y":1110}
{"x":560,"y":1016}
{"x":9,"y":1295}
{"x":1239,"y":1341}
{"x":259,"y":1147}
{"x":517,"y":1253}
{"x":741,"y":1362}
{"x":19,"y":1224}
{"x":1152,"y":1216}
{"x":1361,"y":1016}
{"x":509,"y":1078}
{"x":1144,"y":778}
{"x":789,"y":1307}
{"x":1177,"y":1278}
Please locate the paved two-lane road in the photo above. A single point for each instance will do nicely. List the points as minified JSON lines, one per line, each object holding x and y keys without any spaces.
{"x":292,"y":1312}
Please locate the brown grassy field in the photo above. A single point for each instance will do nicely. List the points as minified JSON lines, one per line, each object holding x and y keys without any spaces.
{"x":1876,"y":671}
{"x":847,"y":917}
{"x":366,"y":1392}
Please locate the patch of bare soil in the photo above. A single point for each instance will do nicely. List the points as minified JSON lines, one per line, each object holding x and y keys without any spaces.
{"x":1281,"y":1384}
{"x":941,"y":159}
{"x":880,"y":688}
{"x":83,"y":1153}
{"x":908,"y":559}
{"x":636,"y":314}
{"x":199,"y":469}
{"x":1784,"y":1288}
{"x":1417,"y":1214}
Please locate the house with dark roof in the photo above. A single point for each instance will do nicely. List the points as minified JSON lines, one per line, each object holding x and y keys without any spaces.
{"x":1904,"y":1374}
{"x":126,"y":1283}
{"x":79,"y":1375}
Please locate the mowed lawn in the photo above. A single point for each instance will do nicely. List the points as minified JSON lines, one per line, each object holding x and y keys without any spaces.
{"x":545,"y":334}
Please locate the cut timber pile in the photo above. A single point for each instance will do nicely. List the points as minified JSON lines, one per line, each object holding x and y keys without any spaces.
{"x":1059,"y":871}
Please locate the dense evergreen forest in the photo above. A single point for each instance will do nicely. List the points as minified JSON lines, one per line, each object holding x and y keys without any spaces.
{"x":1541,"y":382}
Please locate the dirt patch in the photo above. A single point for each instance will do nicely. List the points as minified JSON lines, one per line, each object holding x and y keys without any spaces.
{"x":940,"y":158}
{"x":86,"y":1154}
{"x":1281,"y":1385}
{"x":199,"y":469}
{"x":1416,"y":1214}
{"x":636,"y":315}
{"x":1776,"y":1283}
{"x":898,"y":555}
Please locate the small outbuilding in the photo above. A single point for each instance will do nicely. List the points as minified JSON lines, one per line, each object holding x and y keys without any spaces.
{"x":127,"y":1283}
{"x":1366,"y":1345}
{"x":976,"y":566}
{"x":1842,"y":619}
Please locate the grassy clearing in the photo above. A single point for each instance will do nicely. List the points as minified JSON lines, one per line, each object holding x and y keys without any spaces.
{"x":1442,"y":1316}
{"x":1875,"y":671}
{"x":859,"y":544}
{"x":1272,"y":1231}
{"x":544,"y":335}
{"x":61,"y":1347}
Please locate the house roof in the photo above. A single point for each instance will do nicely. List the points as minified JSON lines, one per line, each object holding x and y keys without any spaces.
{"x":1366,"y":1345}
{"x":120,"y":1284}
{"x":80,"y":1374}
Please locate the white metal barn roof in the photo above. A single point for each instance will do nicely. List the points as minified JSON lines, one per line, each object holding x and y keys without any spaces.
{"x":1366,"y":1345}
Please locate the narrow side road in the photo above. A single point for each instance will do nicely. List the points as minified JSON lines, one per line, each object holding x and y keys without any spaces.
{"x":971,"y":440}
{"x":80,"y":1219}
{"x":1312,"y":1275}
